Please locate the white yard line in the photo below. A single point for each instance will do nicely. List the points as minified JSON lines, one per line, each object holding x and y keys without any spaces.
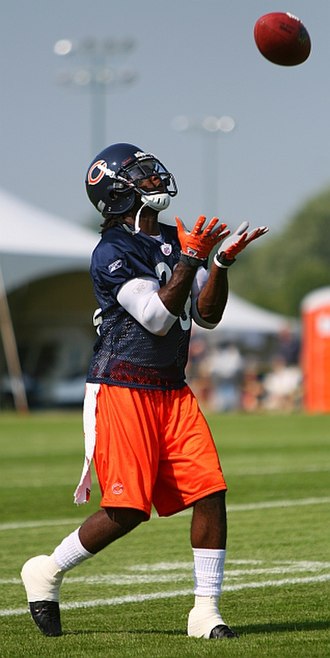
{"x":271,"y":504}
{"x":244,"y":507}
{"x":278,"y":470}
{"x":38,"y":524}
{"x":157,"y":573}
{"x":139,"y":598}
{"x":179,"y":566}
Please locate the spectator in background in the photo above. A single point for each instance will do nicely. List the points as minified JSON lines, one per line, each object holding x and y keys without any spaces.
{"x":282,"y":386}
{"x":252,"y":390}
{"x":225,"y":367}
{"x":289,"y":346}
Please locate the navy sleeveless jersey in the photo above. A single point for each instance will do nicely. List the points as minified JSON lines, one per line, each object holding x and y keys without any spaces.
{"x":126,"y":354}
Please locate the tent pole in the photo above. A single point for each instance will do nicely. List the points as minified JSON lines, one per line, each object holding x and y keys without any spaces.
{"x":11,"y":352}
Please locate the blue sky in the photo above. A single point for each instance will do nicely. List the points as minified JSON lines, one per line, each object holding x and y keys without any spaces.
{"x":195,"y":58}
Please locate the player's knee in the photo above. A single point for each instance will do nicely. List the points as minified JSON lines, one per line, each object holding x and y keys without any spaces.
{"x":213,"y":506}
{"x":127,"y":519}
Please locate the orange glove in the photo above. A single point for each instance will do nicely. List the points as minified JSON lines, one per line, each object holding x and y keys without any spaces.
{"x":236,"y":243}
{"x":197,"y":244}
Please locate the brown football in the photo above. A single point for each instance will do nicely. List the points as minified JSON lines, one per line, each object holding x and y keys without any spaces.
{"x":282,"y":39}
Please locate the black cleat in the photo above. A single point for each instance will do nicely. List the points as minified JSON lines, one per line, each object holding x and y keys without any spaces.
{"x":222,"y":632}
{"x":46,"y":614}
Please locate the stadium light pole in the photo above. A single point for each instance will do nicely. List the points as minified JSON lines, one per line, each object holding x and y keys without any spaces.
{"x":97,"y":75}
{"x":210,"y":127}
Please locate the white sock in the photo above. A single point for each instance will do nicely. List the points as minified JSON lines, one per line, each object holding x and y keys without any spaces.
{"x":208,"y":571}
{"x":70,"y":552}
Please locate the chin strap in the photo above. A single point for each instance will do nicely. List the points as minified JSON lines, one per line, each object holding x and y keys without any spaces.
{"x":137,"y":218}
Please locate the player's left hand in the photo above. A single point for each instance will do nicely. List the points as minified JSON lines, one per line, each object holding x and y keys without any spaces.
{"x":198,"y":243}
{"x":236,"y":242}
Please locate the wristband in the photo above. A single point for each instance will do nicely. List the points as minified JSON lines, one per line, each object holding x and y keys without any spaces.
{"x":191,"y":261}
{"x":221,"y":261}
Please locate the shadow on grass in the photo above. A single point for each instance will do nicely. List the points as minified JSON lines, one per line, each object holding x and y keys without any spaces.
{"x":126,"y":631}
{"x":254,"y":629}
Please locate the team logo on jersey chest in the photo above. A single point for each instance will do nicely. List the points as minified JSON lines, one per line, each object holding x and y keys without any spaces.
{"x":166,"y":249}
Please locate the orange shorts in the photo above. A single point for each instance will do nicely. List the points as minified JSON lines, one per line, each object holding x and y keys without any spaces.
{"x":153,"y":448}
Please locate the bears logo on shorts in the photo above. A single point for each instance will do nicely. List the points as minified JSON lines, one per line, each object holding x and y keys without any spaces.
{"x":117,"y":488}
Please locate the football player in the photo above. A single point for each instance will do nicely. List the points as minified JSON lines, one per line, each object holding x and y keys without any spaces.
{"x":149,"y":441}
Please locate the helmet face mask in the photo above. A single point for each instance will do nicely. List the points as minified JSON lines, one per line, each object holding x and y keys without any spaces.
{"x":149,"y":176}
{"x":121,"y":172}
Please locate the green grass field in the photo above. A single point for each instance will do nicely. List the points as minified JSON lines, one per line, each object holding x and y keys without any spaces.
{"x":133,"y":598}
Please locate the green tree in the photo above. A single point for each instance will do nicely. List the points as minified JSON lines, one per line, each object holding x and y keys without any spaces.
{"x":279,"y":271}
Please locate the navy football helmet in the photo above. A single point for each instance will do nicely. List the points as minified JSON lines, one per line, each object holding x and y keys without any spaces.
{"x":119,"y":172}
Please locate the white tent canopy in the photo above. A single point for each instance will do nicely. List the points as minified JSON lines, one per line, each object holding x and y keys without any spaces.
{"x":241,"y":316}
{"x":34,"y":243}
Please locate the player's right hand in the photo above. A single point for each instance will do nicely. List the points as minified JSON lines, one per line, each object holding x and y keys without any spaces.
{"x":198,"y":243}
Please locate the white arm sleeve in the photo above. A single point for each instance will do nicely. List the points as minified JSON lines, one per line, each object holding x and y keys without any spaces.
{"x":140,"y":298}
{"x":199,"y":282}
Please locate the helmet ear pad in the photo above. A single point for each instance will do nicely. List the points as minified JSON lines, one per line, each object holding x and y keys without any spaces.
{"x":120,"y":199}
